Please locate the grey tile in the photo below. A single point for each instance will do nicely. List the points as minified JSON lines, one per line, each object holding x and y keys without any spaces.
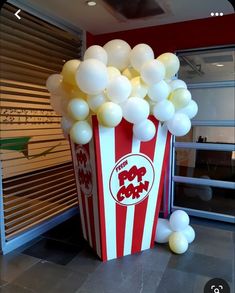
{"x":86,"y":262}
{"x":13,"y":288}
{"x":54,"y":251}
{"x":135,"y":273}
{"x":177,"y":281}
{"x":49,"y":277}
{"x":213,"y":242}
{"x":202,"y":265}
{"x":13,"y":264}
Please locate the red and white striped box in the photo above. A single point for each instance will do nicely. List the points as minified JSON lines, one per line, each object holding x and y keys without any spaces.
{"x":120,"y":185}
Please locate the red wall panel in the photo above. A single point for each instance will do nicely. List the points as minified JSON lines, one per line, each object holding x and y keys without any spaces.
{"x":206,"y":32}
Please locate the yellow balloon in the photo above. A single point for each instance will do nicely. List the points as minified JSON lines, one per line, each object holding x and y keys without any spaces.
{"x":171,"y":63}
{"x":77,"y":93}
{"x":69,"y":70}
{"x":130,"y":73}
{"x":78,"y":109}
{"x":180,"y":98}
{"x":139,"y":88}
{"x":109,"y":114}
{"x":178,"y":242}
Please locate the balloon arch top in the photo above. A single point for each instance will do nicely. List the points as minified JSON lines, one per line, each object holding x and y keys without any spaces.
{"x":116,"y":81}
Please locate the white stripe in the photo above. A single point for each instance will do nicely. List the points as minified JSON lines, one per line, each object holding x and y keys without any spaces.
{"x":130,"y":209}
{"x":88,"y":220}
{"x":107,"y":153}
{"x":74,"y":157}
{"x":94,"y":197}
{"x":152,"y":200}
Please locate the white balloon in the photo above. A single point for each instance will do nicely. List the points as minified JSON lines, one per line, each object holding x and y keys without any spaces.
{"x":135,"y":110}
{"x":164,"y":110}
{"x":163,"y":231}
{"x":112,"y":72}
{"x":190,"y":110}
{"x":95,"y":101}
{"x":96,"y":52}
{"x":152,"y":71}
{"x":179,"y":220}
{"x":119,"y":89}
{"x":54,"y":84}
{"x":179,"y":125}
{"x":139,"y":88}
{"x":140,"y":54}
{"x":189,"y":233}
{"x":159,"y":91}
{"x":92,"y":76}
{"x":78,"y":109}
{"x":177,"y":84}
{"x":118,"y":53}
{"x":81,"y":132}
{"x":144,"y":130}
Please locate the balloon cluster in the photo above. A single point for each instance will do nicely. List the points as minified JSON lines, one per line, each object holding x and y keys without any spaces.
{"x":176,"y":231}
{"x":115,"y":82}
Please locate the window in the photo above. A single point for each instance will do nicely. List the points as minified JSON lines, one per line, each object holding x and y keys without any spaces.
{"x":203,"y":171}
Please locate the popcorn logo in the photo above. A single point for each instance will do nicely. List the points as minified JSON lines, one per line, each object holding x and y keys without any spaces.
{"x":131,"y":179}
{"x":84,"y":170}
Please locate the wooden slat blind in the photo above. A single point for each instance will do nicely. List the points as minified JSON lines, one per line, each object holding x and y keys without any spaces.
{"x":38,"y":180}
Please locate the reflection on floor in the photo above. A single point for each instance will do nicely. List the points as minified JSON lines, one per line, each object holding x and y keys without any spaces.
{"x":60,"y":261}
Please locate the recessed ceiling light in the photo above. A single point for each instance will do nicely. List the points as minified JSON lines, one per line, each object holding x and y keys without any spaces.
{"x":220,"y":65}
{"x":91,"y":3}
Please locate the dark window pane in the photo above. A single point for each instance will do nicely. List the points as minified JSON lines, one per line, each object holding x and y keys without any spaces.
{"x":205,"y":198}
{"x":218,"y":165}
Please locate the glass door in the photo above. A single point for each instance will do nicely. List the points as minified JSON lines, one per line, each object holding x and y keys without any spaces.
{"x":203,"y":162}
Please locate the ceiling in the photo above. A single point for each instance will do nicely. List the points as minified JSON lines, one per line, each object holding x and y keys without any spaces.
{"x":103,"y":19}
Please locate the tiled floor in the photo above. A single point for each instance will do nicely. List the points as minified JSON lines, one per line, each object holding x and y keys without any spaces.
{"x":60,"y":261}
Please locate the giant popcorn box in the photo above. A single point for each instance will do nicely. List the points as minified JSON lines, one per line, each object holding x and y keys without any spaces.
{"x":120,"y":183}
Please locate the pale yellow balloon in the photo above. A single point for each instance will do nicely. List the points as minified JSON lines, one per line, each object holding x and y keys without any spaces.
{"x":112,"y":72}
{"x":64,"y":105}
{"x":130,"y":73}
{"x":171,"y":63}
{"x":109,"y":114}
{"x":178,"y":242}
{"x":77,"y":93}
{"x":69,"y":70}
{"x":78,"y":109}
{"x":180,"y":98}
{"x":81,"y":132}
{"x":139,"y":88}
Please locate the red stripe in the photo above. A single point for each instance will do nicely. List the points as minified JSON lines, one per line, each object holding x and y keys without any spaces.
{"x":147,"y":148}
{"x":100,"y":191}
{"x":160,"y":190}
{"x":92,"y":221}
{"x":123,"y":146}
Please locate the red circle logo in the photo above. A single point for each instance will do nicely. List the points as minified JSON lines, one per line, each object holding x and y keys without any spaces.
{"x":131,"y":179}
